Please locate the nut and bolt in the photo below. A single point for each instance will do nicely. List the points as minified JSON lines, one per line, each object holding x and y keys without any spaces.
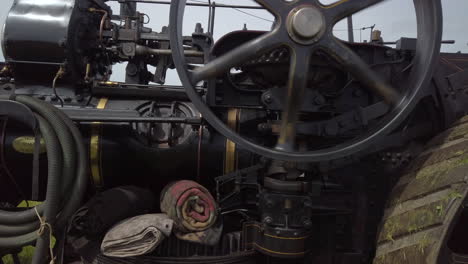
{"x":307,"y":223}
{"x":268,"y":99}
{"x":268,"y":220}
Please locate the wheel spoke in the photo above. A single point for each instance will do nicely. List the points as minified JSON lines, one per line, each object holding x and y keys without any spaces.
{"x":345,"y":8}
{"x":237,"y":56}
{"x":274,"y":6}
{"x":361,"y":71}
{"x":298,"y":71}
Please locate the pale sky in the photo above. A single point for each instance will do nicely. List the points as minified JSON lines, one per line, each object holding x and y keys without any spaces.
{"x":395,"y":18}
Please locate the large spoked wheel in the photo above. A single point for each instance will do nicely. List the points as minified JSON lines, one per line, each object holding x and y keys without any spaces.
{"x":306,"y":26}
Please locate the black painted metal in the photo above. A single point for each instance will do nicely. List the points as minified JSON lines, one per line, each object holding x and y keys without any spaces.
{"x":31,"y":27}
{"x":429,"y":32}
{"x":350,"y":29}
{"x":341,"y":195}
{"x":41,"y":36}
{"x":18,"y":112}
{"x":197,"y":4}
{"x":141,"y":91}
{"x":124,"y":116}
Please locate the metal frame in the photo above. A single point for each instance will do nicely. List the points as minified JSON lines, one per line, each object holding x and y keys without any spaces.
{"x":429,"y":34}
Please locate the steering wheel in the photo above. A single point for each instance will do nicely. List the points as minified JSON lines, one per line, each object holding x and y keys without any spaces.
{"x":305,"y":27}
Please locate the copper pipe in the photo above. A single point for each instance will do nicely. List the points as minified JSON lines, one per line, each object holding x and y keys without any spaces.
{"x":103,"y":21}
{"x":60,"y":74}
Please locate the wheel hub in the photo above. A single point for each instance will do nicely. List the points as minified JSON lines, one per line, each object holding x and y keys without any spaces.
{"x":306,"y":24}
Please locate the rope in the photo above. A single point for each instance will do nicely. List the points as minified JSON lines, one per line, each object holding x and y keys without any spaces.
{"x":41,"y":231}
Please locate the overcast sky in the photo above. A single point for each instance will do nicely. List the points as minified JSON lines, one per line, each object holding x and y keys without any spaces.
{"x":395,"y":18}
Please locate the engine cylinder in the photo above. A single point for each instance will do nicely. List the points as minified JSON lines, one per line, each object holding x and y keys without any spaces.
{"x":41,"y":36}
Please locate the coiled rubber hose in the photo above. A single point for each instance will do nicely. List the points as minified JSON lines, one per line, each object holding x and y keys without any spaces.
{"x":66,"y":181}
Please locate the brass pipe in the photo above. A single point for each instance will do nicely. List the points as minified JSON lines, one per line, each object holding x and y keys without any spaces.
{"x":4,"y":70}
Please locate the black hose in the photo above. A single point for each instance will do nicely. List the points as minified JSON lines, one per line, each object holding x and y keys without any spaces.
{"x":6,"y":231}
{"x":67,"y":180}
{"x":66,"y":141}
{"x":52,"y":201}
{"x":81,"y":180}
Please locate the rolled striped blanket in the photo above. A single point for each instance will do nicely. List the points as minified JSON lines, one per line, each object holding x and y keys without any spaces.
{"x":193,"y":210}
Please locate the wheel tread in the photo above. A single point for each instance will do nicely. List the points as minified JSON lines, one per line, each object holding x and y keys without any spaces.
{"x":425,"y":201}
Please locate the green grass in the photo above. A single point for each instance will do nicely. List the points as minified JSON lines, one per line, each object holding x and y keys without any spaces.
{"x":26,"y":254}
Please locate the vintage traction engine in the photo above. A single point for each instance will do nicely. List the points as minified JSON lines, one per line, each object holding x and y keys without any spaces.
{"x":309,"y":149}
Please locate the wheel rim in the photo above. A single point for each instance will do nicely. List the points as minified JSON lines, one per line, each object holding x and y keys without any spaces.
{"x":305,"y":42}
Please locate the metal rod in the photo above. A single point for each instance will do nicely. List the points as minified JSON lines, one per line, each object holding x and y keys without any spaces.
{"x":115,"y":119}
{"x":195,"y":4}
{"x":209,"y":19}
{"x":141,"y":91}
{"x":442,"y":42}
{"x":142,"y":50}
{"x":37,"y":62}
{"x":128,"y":8}
{"x":123,"y":116}
{"x":213,"y":15}
{"x":350,"y":29}
{"x":448,"y":42}
{"x":120,"y":84}
{"x":371,"y":31}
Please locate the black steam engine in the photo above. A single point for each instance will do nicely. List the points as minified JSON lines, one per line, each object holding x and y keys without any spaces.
{"x":299,"y":136}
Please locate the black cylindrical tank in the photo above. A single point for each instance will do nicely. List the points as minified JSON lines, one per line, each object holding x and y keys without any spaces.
{"x":40,"y":36}
{"x":124,"y":154}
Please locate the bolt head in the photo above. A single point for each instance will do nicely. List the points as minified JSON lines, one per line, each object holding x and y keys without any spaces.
{"x":267,"y":98}
{"x":269,"y":204}
{"x":307,"y":223}
{"x":268,"y":220}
